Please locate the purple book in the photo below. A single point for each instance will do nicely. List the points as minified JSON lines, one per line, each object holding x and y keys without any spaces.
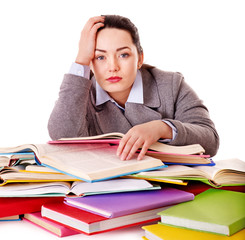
{"x":120,"y":204}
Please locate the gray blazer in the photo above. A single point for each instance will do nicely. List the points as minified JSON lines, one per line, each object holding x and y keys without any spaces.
{"x":166,"y":96}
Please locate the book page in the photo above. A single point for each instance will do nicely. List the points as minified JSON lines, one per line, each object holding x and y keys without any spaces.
{"x":113,"y":135}
{"x":223,"y":165}
{"x":47,"y":149}
{"x":157,"y":146}
{"x":39,"y":169}
{"x":187,"y":149}
{"x":110,"y":185}
{"x":232,"y":164}
{"x":20,"y":189}
{"x":176,"y":171}
{"x":91,"y":160}
{"x":209,"y":170}
{"x":12,"y":175}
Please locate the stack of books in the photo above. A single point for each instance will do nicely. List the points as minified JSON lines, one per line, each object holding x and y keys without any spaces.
{"x":213,"y":214}
{"x":100,"y":213}
{"x":79,"y":185}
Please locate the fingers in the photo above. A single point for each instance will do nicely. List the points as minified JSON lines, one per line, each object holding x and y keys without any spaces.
{"x":139,"y":136}
{"x":129,"y":146}
{"x":92,"y":25}
{"x":92,"y":21}
{"x":143,"y":151}
{"x":88,"y":40}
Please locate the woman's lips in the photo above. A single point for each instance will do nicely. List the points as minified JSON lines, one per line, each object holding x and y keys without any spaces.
{"x":114,"y":79}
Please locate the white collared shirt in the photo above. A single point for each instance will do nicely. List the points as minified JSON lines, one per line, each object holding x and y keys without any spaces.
{"x":135,"y":95}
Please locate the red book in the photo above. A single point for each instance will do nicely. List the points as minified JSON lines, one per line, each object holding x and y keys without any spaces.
{"x":20,"y":205}
{"x":197,"y":187}
{"x":90,"y":223}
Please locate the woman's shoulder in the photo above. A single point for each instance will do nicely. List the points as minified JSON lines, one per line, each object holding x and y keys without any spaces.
{"x":161,"y":76}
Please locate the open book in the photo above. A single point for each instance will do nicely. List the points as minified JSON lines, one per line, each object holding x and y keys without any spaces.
{"x":88,"y":162}
{"x":14,"y":159}
{"x":76,"y":188}
{"x":188,"y":154}
{"x":227,"y":172}
{"x":13,"y":175}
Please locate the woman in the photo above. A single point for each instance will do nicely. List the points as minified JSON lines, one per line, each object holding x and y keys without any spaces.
{"x":121,"y":94}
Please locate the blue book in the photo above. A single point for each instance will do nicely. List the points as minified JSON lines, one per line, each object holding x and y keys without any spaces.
{"x":10,"y":218}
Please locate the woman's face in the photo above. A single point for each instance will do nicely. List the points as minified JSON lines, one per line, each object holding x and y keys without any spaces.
{"x":116,"y":62}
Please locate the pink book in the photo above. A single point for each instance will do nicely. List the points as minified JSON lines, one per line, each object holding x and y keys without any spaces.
{"x":54,"y":227}
{"x":120,"y":204}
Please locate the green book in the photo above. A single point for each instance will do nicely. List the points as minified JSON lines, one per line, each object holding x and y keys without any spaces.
{"x":217,"y":211}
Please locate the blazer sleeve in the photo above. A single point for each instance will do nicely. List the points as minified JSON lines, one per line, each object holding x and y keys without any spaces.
{"x":191,"y":118}
{"x":68,"y":117}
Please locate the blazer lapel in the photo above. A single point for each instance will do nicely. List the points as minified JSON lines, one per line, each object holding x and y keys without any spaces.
{"x":141,"y":113}
{"x":150,"y":90}
{"x":111,"y":119}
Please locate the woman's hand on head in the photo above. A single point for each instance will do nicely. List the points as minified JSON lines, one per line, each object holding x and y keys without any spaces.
{"x":142,"y":136}
{"x":88,"y":40}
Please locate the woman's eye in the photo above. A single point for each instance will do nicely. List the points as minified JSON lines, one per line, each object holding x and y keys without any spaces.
{"x":100,"y":58}
{"x":124,"y":55}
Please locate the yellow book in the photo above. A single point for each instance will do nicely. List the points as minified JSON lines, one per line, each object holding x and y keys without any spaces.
{"x":163,"y":232}
{"x":164,"y":180}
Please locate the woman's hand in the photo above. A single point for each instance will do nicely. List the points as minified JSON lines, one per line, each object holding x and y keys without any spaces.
{"x":88,"y":40}
{"x":142,"y":136}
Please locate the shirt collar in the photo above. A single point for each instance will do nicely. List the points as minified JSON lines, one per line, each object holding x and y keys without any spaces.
{"x":135,"y":95}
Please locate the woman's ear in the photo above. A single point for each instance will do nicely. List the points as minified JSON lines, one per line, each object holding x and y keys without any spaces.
{"x":140,"y":60}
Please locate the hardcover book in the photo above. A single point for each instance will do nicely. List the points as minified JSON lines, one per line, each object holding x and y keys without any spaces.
{"x":119,"y":204}
{"x":56,"y":228}
{"x":217,"y":211}
{"x":163,"y":232}
{"x":18,"y":206}
{"x":90,"y":223}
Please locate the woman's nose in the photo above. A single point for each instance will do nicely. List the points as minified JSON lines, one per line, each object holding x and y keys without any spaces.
{"x":113,"y":65}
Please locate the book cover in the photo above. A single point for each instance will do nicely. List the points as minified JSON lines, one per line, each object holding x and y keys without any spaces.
{"x":163,"y":232}
{"x":215,"y":210}
{"x":56,"y":228}
{"x":18,"y":206}
{"x":119,"y":204}
{"x":90,"y":223}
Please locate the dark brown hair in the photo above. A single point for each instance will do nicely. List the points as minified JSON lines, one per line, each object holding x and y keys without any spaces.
{"x":119,"y":22}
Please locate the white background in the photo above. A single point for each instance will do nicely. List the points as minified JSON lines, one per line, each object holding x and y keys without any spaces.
{"x":204,"y":40}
